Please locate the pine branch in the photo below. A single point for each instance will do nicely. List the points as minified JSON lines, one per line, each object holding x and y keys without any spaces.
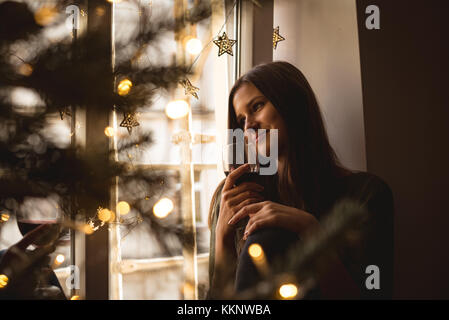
{"x":306,"y":261}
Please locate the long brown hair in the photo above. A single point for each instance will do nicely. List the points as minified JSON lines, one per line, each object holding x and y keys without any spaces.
{"x":311,"y":161}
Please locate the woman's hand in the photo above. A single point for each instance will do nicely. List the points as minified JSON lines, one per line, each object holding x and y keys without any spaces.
{"x":272,"y":214}
{"x":22,"y":265}
{"x":17,"y":259}
{"x":233,"y":199}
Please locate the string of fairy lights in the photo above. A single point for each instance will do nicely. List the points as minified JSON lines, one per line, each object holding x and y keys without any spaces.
{"x":178,"y":109}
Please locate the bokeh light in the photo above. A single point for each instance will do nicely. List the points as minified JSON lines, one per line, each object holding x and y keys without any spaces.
{"x":45,"y":15}
{"x":3,"y":281}
{"x":194,"y":46}
{"x":104,"y":214}
{"x":4,"y":217}
{"x":109,"y":131}
{"x":124,"y":87}
{"x":87,"y":229}
{"x":177,"y":109}
{"x":59,"y":259}
{"x":163,"y":208}
{"x":256,"y":251}
{"x":123,"y":208}
{"x":25,"y":69}
{"x":288,"y":291}
{"x":99,"y":11}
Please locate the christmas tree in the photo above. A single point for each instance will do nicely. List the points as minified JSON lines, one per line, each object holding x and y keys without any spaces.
{"x":70,"y":76}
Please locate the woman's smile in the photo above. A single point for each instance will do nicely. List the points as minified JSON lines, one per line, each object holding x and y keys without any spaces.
{"x":254,"y":111}
{"x":261,"y":135}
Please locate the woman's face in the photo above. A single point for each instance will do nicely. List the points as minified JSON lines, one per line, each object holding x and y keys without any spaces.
{"x":254,"y":111}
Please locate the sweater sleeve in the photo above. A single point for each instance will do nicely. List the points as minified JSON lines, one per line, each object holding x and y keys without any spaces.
{"x":370,"y":260}
{"x":215,"y":209}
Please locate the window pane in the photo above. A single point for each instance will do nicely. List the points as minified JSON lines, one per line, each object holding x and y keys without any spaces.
{"x":150,"y":272}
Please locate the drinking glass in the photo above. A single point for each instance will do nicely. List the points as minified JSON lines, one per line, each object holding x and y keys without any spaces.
{"x":235,"y":155}
{"x":32,"y":214}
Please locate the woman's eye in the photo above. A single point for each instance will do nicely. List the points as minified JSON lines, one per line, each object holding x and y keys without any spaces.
{"x":257,"y":106}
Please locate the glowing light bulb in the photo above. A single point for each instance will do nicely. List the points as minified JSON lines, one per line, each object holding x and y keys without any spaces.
{"x":124,"y":87}
{"x":3,"y":281}
{"x":123,"y":208}
{"x":288,"y":291}
{"x":104,"y":215}
{"x":4,"y":217}
{"x":163,"y":208}
{"x":194,"y":46}
{"x":177,"y":109}
{"x":59,"y":259}
{"x":109,"y":131}
{"x":256,"y":251}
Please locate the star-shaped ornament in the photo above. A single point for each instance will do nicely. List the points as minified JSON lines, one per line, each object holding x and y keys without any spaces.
{"x":224,"y":44}
{"x":277,"y":37}
{"x":129,"y":122}
{"x":189,"y":88}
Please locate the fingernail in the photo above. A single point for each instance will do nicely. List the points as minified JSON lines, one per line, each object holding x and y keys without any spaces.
{"x":230,"y":221}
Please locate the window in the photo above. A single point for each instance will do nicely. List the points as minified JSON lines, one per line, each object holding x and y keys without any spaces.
{"x":187,"y":150}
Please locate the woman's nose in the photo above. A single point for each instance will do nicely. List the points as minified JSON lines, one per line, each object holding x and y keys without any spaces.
{"x":250,"y":124}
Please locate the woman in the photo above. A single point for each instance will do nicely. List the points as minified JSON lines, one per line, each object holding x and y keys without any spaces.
{"x":309,"y":182}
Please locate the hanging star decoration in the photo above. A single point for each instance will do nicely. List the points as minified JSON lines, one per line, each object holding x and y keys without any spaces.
{"x":224,"y":44}
{"x":64,"y":111}
{"x":277,"y":37}
{"x":189,"y":88}
{"x":129,"y":122}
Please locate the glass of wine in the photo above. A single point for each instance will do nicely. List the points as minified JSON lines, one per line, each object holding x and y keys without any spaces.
{"x":32,"y":214}
{"x":235,"y":155}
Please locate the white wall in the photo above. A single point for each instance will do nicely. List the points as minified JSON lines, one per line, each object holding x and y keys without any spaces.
{"x":322,"y":41}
